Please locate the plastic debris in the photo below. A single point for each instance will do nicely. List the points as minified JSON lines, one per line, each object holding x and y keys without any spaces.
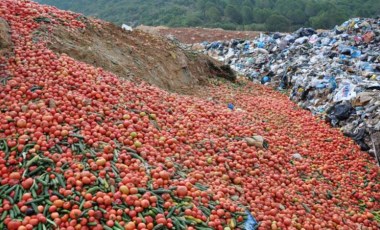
{"x":320,"y":69}
{"x":297,"y":156}
{"x":257,"y":141}
{"x":231,"y":106}
{"x":251,"y":223}
{"x":126,"y":27}
{"x":265,"y":79}
{"x":375,"y":139}
{"x":340,"y":112}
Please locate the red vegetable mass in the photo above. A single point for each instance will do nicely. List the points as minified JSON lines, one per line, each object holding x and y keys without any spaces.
{"x":81,"y":148}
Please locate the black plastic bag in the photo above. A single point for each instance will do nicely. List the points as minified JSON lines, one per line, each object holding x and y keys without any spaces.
{"x":342,"y":111}
{"x":358,"y":136}
{"x":339,"y":112}
{"x":305,"y":32}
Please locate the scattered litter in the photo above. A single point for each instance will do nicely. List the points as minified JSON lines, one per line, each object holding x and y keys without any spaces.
{"x":375,"y":139}
{"x":126,"y":27}
{"x":251,"y":223}
{"x":257,"y":141}
{"x":337,"y":69}
{"x":339,"y":112}
{"x":231,"y":106}
{"x":297,"y":156}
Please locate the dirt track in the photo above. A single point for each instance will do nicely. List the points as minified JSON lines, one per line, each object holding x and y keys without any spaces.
{"x":197,"y":35}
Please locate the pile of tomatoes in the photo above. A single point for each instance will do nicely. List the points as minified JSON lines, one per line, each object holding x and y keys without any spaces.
{"x":82,"y":149}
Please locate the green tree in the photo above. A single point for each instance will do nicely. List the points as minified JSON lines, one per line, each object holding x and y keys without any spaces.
{"x":261,"y":15}
{"x":249,"y":3}
{"x":265,"y":3}
{"x":222,"y":13}
{"x":233,"y":14}
{"x":362,"y":12}
{"x":201,"y":5}
{"x":193,"y":20}
{"x":247,"y":15}
{"x":213,"y":14}
{"x":277,"y":22}
{"x":312,"y":8}
{"x":327,"y":19}
{"x":297,"y":16}
{"x":373,"y":6}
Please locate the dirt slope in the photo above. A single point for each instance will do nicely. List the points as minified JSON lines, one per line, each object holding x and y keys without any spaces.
{"x":5,"y":38}
{"x":134,"y":55}
{"x":6,"y":47}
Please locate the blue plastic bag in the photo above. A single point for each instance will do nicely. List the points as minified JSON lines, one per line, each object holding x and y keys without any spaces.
{"x":251,"y":223}
{"x":332,"y":83}
{"x":320,"y":86}
{"x":265,"y":79}
{"x":260,"y":44}
{"x":356,"y":54}
{"x":343,"y":57}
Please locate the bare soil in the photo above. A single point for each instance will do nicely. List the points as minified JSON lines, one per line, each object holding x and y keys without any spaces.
{"x":136,"y":56}
{"x":197,"y":35}
{"x":5,"y":38}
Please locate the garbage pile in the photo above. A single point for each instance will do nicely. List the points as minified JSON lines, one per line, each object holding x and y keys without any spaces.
{"x":334,"y":73}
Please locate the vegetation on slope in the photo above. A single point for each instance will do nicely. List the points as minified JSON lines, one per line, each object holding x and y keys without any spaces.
{"x":272,"y":15}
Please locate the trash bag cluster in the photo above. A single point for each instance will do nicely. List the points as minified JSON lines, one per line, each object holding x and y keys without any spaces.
{"x":334,"y":74}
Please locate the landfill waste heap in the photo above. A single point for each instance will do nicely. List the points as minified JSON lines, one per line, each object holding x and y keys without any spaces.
{"x":83,"y":148}
{"x":334,"y":74}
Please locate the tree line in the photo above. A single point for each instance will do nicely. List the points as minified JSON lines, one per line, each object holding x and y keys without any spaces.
{"x":261,"y":15}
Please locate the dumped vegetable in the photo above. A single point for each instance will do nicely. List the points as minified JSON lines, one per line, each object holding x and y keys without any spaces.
{"x":83,"y":149}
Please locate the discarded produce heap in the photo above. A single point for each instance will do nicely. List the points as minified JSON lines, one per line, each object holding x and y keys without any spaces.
{"x":82,"y":149}
{"x":334,"y":73}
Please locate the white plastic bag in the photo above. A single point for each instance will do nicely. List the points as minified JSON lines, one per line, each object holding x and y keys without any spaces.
{"x":345,"y":92}
{"x":126,"y":27}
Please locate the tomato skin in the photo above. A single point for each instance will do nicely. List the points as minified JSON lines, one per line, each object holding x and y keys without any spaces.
{"x":27,"y":184}
{"x":21,"y":123}
{"x":75,"y":213}
{"x":130,"y":226}
{"x":109,"y":147}
{"x":15,"y":176}
{"x":58,"y":203}
{"x":145,"y":203}
{"x":110,"y":223}
{"x":220,"y":212}
{"x":161,"y":221}
{"x":182,"y":191}
{"x":13,"y":224}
